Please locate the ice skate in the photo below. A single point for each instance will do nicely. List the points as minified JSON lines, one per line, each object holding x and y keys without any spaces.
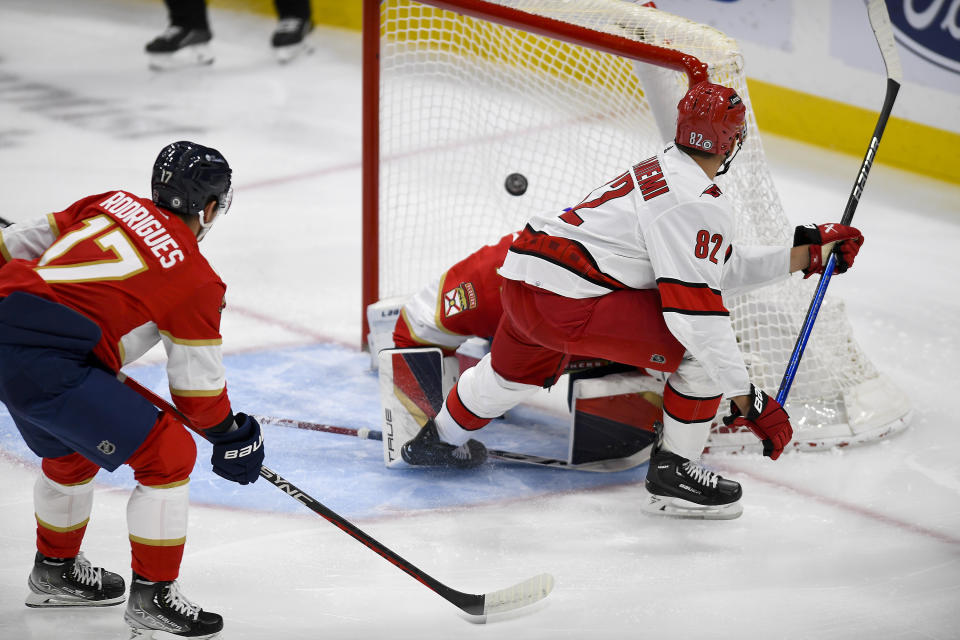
{"x":289,"y":39}
{"x":427,"y":449}
{"x":179,"y":47}
{"x":682,"y":488}
{"x":72,"y":582}
{"x":158,"y":611}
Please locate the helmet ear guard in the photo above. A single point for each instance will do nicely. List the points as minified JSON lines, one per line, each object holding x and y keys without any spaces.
{"x":712,"y":118}
{"x":223,"y":205}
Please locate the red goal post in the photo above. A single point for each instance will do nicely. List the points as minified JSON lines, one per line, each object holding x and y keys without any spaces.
{"x":459,"y":94}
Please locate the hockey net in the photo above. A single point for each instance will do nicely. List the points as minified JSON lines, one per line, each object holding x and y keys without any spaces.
{"x":464,"y":95}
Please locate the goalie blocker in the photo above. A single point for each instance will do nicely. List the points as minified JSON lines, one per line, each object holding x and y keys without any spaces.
{"x":613,"y":409}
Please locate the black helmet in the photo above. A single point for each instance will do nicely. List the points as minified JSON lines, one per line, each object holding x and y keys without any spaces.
{"x":187,"y":176}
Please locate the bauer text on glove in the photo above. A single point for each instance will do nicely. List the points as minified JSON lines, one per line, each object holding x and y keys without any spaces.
{"x":238,"y":453}
{"x":766,"y":419}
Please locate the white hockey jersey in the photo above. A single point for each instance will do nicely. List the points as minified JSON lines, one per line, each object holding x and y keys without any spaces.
{"x":661,"y":224}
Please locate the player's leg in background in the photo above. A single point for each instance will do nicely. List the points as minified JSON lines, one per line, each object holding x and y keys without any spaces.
{"x":294,"y":23}
{"x":184,"y":41}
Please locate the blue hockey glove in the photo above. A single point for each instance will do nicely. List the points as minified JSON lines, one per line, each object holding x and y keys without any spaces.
{"x":238,"y":453}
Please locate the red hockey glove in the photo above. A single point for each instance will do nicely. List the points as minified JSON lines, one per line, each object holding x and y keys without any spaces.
{"x":819,"y":238}
{"x":766,"y":419}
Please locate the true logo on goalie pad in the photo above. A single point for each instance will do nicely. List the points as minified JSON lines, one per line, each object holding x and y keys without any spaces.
{"x":411,"y":390}
{"x":461,"y":298}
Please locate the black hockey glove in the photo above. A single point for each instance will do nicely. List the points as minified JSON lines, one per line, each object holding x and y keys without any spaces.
{"x":238,"y":453}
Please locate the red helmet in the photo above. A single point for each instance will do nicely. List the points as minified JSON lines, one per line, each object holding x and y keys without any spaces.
{"x":711,"y":118}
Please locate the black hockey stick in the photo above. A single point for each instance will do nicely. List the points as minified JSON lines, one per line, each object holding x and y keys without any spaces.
{"x":519,"y":595}
{"x":882,"y":30}
{"x":610,"y":465}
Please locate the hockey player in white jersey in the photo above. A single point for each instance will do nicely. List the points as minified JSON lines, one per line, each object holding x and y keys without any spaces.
{"x":580,"y":281}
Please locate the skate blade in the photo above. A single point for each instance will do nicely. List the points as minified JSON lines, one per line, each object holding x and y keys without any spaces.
{"x":44,"y":600}
{"x":285,"y":55}
{"x":679,"y":508}
{"x":155,"y":634}
{"x":197,"y":55}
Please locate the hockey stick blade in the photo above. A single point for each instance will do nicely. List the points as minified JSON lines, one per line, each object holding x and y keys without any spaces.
{"x":599,"y":466}
{"x":519,"y":595}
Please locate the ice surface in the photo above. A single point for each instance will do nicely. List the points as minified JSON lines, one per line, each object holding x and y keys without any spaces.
{"x":856,"y":542}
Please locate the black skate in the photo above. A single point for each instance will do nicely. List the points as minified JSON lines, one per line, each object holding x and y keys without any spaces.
{"x":682,"y":488}
{"x":180,"y":47}
{"x":72,"y":582}
{"x":288,"y":40}
{"x":427,"y":449}
{"x":158,"y":610}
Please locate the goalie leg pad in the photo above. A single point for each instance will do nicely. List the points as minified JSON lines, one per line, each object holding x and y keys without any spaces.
{"x":614,"y":416}
{"x":411,"y":391}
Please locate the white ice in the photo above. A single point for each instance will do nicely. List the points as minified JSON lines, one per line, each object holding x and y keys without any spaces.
{"x":861,"y":542}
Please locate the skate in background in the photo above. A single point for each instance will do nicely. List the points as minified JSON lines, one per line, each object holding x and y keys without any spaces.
{"x":186,"y":41}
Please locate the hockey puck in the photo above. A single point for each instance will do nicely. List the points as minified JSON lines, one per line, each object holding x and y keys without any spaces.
{"x":515,"y":184}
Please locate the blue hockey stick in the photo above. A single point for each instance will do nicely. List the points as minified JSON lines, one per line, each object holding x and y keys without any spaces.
{"x":880,"y":22}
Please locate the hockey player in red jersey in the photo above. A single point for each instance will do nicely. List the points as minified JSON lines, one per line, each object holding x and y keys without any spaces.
{"x":573,"y":282}
{"x":82,"y":293}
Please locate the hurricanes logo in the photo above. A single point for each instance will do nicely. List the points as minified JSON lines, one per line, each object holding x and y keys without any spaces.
{"x":461,"y":298}
{"x":713,"y":190}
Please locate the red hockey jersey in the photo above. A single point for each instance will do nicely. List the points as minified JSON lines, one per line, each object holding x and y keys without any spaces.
{"x":136,"y":271}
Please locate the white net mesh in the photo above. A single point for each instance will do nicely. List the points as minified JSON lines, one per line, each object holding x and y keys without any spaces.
{"x":465,"y":102}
